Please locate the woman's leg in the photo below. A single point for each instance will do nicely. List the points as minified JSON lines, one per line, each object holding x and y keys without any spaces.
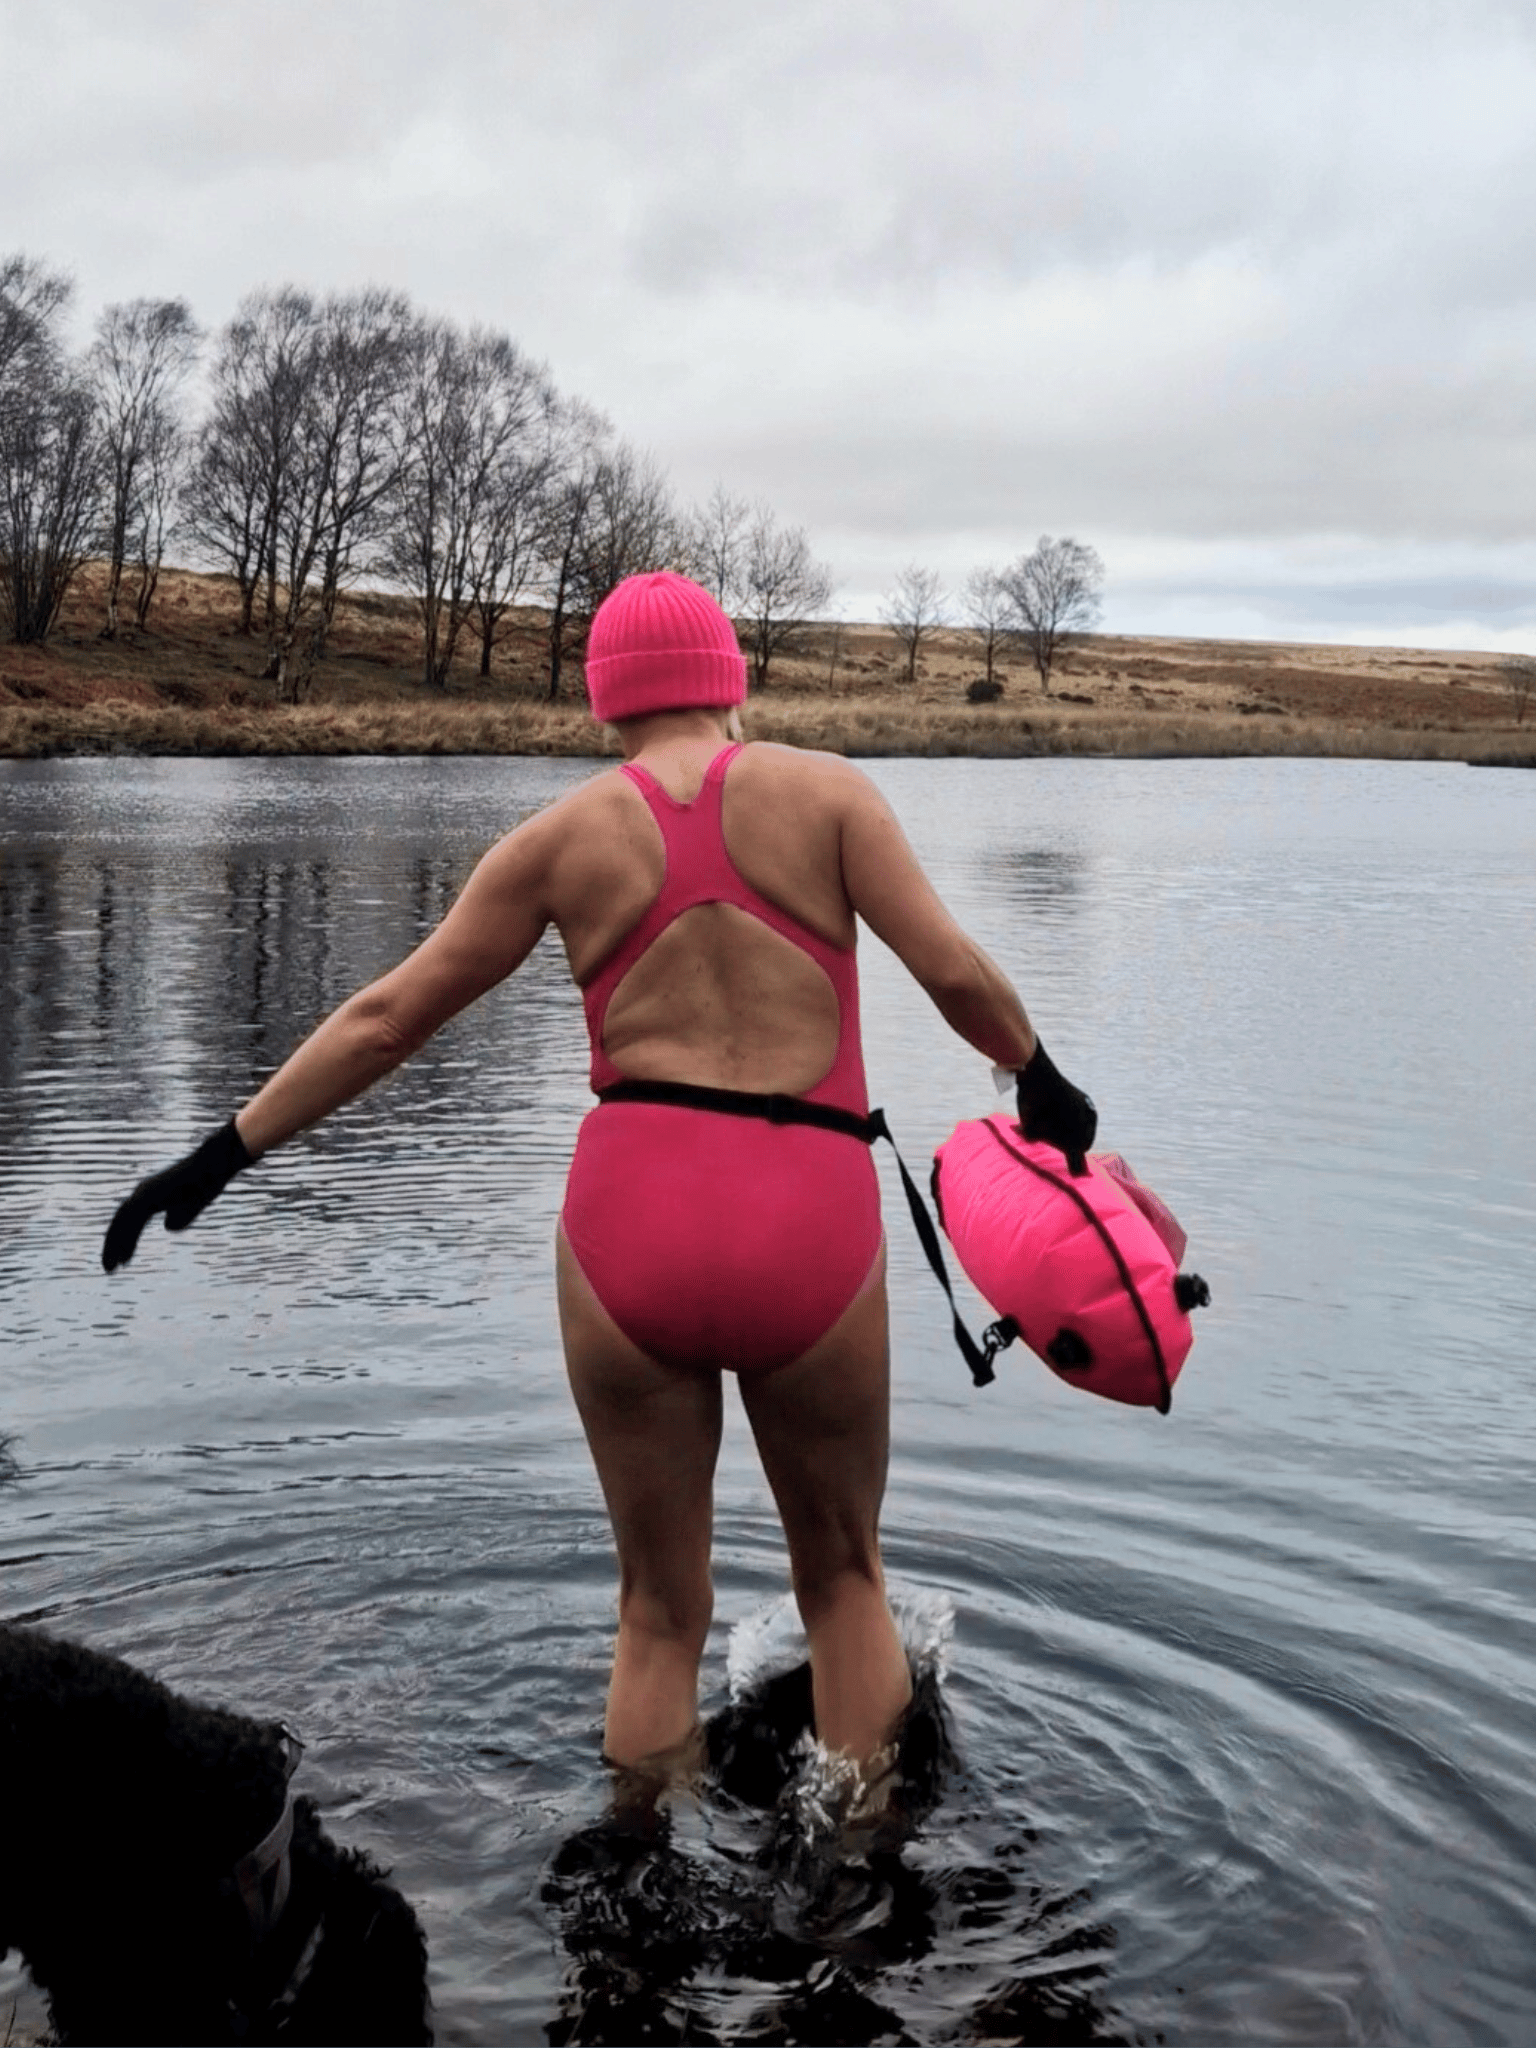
{"x":823,"y":1431}
{"x":654,"y":1431}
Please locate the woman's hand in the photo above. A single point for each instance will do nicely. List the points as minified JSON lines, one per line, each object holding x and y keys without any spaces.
{"x":1053,"y":1112}
{"x":182,"y":1191}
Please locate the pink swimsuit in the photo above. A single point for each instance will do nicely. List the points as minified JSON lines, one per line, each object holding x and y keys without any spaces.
{"x":715,"y":1239}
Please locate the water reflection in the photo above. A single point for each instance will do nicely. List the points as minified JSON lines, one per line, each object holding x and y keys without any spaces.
{"x":1032,"y":876}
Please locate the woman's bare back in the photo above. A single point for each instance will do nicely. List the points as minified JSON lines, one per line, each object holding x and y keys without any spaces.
{"x":719,"y":998}
{"x":724,"y":1002}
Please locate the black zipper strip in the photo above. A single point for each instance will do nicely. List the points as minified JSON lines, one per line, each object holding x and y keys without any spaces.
{"x":1044,"y":1173}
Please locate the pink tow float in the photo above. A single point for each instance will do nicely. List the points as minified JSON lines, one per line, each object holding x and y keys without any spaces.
{"x":1084,"y":1267}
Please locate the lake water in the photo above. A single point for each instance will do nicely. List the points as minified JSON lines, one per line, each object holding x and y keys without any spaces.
{"x":1245,"y":1697}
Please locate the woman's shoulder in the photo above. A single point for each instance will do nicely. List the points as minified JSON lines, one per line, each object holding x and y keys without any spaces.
{"x":604,"y":811}
{"x":608,"y":790}
{"x":805,"y":768}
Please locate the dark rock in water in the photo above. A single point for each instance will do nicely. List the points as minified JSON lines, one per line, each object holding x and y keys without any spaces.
{"x":625,"y":1891}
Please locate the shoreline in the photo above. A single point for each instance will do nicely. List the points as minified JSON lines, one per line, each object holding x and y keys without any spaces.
{"x":192,"y":684}
{"x":860,"y":729}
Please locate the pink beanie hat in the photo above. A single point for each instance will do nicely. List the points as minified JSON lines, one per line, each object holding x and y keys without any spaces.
{"x":660,"y":643}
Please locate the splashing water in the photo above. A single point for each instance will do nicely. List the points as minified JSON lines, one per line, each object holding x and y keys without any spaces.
{"x":787,"y":1896}
{"x":771,"y":1639}
{"x":824,"y":1796}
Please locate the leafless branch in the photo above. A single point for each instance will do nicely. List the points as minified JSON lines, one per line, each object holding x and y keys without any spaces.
{"x":1519,"y":673}
{"x":915,"y":607}
{"x":1053,"y":593}
{"x":50,"y":456}
{"x":985,"y":607}
{"x":138,"y":366}
{"x":782,"y":590}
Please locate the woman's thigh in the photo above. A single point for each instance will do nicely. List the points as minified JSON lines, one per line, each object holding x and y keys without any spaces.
{"x":822,"y":1427}
{"x":654,"y":1433}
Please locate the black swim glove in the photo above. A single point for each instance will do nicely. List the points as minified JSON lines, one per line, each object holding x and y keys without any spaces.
{"x":1053,"y":1112}
{"x":183,"y":1191}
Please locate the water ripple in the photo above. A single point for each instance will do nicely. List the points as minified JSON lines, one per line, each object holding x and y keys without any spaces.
{"x":1242,"y":1696}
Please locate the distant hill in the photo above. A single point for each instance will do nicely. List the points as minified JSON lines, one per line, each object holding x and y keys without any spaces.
{"x":190,"y":683}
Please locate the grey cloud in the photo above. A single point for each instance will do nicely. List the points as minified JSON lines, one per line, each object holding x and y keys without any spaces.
{"x":1412,"y":601}
{"x":1198,"y":270}
{"x":1350,"y":461}
{"x":1029,"y":138}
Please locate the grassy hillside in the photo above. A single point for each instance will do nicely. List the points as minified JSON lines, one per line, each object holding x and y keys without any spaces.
{"x":191,"y":684}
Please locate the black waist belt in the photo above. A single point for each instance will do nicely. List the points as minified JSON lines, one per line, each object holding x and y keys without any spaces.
{"x":826,"y":1116}
{"x":773,"y":1109}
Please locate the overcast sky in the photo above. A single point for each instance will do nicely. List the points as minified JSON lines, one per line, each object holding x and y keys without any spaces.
{"x":1243,"y":294}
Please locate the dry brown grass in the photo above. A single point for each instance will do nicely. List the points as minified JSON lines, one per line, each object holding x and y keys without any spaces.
{"x":992,"y":734}
{"x":123,"y":728}
{"x":192,"y":685}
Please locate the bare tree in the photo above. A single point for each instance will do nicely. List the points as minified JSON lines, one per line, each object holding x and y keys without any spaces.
{"x":1052,"y":594}
{"x":470,"y":403}
{"x":428,"y":544}
{"x":510,"y":539}
{"x":138,"y":366}
{"x":632,"y":525}
{"x":782,"y":590}
{"x":32,"y":299}
{"x":162,"y":474}
{"x":249,"y":447}
{"x":297,"y":458}
{"x":985,"y":603}
{"x":618,"y":519}
{"x":1519,"y":673}
{"x":331,"y":521}
{"x":914,"y":609}
{"x":717,"y":540}
{"x":225,"y":500}
{"x":50,"y":469}
{"x":582,"y":435}
{"x":50,"y":494}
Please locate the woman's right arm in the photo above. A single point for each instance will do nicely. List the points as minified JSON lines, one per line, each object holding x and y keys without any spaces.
{"x":896,"y":900}
{"x":491,"y":929}
{"x":889,"y":890}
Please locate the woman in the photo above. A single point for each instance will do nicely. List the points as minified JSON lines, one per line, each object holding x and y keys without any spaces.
{"x":721,"y":1212}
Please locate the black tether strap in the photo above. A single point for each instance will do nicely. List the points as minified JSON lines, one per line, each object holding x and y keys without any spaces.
{"x":998,"y":1336}
{"x":793,"y":1109}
